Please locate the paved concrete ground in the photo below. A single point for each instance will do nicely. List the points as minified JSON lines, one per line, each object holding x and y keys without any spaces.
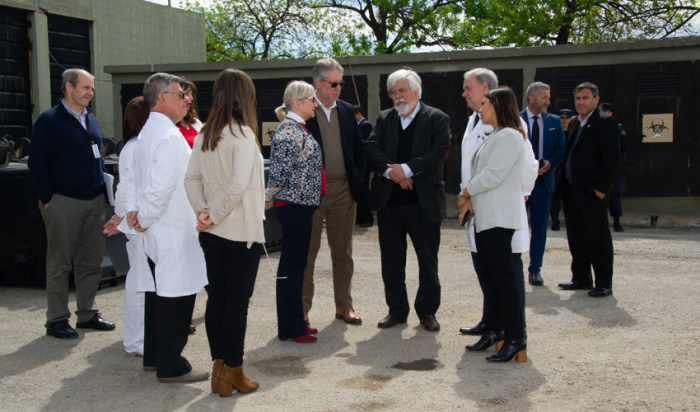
{"x":638,"y":350}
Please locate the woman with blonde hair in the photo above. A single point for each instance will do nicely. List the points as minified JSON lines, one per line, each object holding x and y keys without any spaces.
{"x":225,"y":186}
{"x":296,"y":183}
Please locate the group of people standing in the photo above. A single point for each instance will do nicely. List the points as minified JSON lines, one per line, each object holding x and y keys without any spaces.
{"x":192,"y":198}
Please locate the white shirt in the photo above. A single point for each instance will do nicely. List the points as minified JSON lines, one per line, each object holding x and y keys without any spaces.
{"x":404,"y":124}
{"x":158,"y":193}
{"x":584,"y":120}
{"x":540,"y":123}
{"x":81,"y":117}
{"x":328,"y":110}
{"x":295,"y":117}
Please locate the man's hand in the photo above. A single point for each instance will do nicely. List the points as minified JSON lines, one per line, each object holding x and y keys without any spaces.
{"x":268,"y":205}
{"x":110,"y":228}
{"x":406,"y":184}
{"x":203,"y":220}
{"x":464,"y":209}
{"x":138,"y":228}
{"x":45,"y":206}
{"x":545,"y":168}
{"x":132,"y":218}
{"x":396,"y":173}
{"x":599,"y":194}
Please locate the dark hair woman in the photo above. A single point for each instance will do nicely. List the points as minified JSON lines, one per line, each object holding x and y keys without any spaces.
{"x":190,"y":125}
{"x":225,"y":185}
{"x":135,"y":115}
{"x":295,"y":185}
{"x":494,"y":196}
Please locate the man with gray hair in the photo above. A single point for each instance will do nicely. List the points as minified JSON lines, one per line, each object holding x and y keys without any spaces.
{"x":157,"y":205}
{"x":406,"y":150}
{"x":336,"y":131}
{"x":547,"y":138}
{"x":65,"y":159}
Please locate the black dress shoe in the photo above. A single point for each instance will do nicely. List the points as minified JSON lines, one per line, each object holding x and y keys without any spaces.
{"x":366,"y":224}
{"x":62,"y":330}
{"x":513,"y":348}
{"x":474,"y":330}
{"x":390,"y":321}
{"x":575,"y":286}
{"x":600,"y":292}
{"x":555,"y":221}
{"x":97,"y":323}
{"x":430,"y":323}
{"x":487,"y":340}
{"x":536,"y":279}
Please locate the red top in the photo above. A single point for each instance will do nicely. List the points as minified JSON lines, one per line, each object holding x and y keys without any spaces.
{"x":189,"y":134}
{"x":279,"y":203}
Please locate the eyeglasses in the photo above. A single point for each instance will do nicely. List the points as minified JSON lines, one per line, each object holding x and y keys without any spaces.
{"x":181,"y":94}
{"x":306,"y":98}
{"x":335,"y":84}
{"x":397,"y":93}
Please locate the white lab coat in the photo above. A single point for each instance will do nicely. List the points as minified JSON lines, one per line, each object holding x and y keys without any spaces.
{"x":473,"y":139}
{"x":158,"y":194}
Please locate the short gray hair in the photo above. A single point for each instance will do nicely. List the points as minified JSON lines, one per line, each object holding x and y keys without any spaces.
{"x":323,"y":65}
{"x":157,"y":84}
{"x":71,"y":76}
{"x":413,"y":80}
{"x":587,"y":85}
{"x":535,"y":89}
{"x":296,"y":89}
{"x":484,"y":75}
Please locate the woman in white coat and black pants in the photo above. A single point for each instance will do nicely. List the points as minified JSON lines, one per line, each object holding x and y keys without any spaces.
{"x":494,"y":196}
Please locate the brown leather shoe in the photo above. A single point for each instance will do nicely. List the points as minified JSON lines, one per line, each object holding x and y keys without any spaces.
{"x":430,"y":323}
{"x":390,"y":321}
{"x":348,"y":315}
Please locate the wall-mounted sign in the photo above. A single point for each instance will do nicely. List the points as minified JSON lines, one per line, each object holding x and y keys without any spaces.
{"x":268,"y":129}
{"x":657,"y":128}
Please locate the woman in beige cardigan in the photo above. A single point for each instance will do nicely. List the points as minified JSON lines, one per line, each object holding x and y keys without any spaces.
{"x":225,"y":185}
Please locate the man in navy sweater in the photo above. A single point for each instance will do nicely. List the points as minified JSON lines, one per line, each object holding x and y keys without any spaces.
{"x":67,"y":170}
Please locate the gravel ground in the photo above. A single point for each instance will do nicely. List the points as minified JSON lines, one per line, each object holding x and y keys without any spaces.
{"x":638,"y":350}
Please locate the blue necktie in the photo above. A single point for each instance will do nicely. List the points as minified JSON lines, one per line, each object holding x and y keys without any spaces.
{"x":535,"y":137}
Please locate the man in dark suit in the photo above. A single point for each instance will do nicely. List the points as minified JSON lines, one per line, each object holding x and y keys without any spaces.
{"x":406,"y":151}
{"x":364,"y":214}
{"x":565,"y":115}
{"x":335,"y":129}
{"x":547,"y":138}
{"x":590,"y":161}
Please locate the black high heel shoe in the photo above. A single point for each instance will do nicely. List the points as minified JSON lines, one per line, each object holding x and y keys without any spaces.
{"x":513,"y":348}
{"x":486,"y":341}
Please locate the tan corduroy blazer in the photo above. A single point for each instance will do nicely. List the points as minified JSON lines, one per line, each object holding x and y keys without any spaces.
{"x":229,"y":181}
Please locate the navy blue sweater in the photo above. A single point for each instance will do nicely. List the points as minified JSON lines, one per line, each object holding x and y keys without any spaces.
{"x":61,"y":158}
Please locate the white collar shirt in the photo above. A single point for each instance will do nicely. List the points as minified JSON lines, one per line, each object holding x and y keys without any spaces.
{"x":540,"y":123}
{"x":295,"y":117}
{"x":407,"y":121}
{"x":326,"y":110}
{"x":82,"y":117}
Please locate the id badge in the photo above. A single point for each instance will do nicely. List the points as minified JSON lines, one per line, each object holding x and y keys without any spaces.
{"x":96,"y":151}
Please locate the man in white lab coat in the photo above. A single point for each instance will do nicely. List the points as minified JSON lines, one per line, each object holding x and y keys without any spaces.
{"x":158,"y":206}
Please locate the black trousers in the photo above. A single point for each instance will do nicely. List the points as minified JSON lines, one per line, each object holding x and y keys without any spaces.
{"x":231,"y":270}
{"x":555,"y":206}
{"x":167,"y":327}
{"x":615,"y":193}
{"x":502,"y":294}
{"x":395,"y":222}
{"x":364,"y":214}
{"x":519,"y":282}
{"x":589,"y":238}
{"x":296,"y":222}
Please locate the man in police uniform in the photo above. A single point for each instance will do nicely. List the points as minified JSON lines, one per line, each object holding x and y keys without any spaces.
{"x":615,"y":203}
{"x":565,"y":115}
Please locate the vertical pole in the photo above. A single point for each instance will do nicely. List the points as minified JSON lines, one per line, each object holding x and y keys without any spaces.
{"x":39,"y":68}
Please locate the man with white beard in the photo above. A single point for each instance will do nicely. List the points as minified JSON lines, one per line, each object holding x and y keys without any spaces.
{"x":406,"y":150}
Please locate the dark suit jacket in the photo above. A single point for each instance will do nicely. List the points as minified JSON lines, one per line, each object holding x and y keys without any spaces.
{"x":353,"y":145}
{"x":365,"y":128}
{"x":554,"y":141}
{"x":431,"y":144}
{"x":594,"y":158}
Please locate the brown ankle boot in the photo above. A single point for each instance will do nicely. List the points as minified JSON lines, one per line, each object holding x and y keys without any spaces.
{"x":216,"y":374}
{"x":235,"y":378}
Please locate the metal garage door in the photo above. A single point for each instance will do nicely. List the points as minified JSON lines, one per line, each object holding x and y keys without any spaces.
{"x":15,"y":98}
{"x":69,"y":47}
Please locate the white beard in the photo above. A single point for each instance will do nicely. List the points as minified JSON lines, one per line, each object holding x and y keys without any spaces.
{"x":405,"y":109}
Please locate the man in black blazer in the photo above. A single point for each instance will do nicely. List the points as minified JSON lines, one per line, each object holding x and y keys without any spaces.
{"x":336,"y":131}
{"x":406,"y":150}
{"x":591,"y":158}
{"x":364,"y":214}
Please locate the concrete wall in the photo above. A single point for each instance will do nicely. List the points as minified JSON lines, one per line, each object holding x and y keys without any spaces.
{"x":122,"y":32}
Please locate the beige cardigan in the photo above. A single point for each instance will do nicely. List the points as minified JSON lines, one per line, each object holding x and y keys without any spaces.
{"x":229,"y":181}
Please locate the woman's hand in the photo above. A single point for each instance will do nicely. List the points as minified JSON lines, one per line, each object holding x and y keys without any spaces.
{"x":464,"y":209}
{"x":203,"y":220}
{"x":461,"y":200}
{"x":110,"y":228}
{"x":268,"y":205}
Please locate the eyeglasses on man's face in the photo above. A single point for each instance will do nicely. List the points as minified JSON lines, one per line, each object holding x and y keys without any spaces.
{"x":181,"y":94}
{"x":335,"y":84}
{"x":397,"y":93}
